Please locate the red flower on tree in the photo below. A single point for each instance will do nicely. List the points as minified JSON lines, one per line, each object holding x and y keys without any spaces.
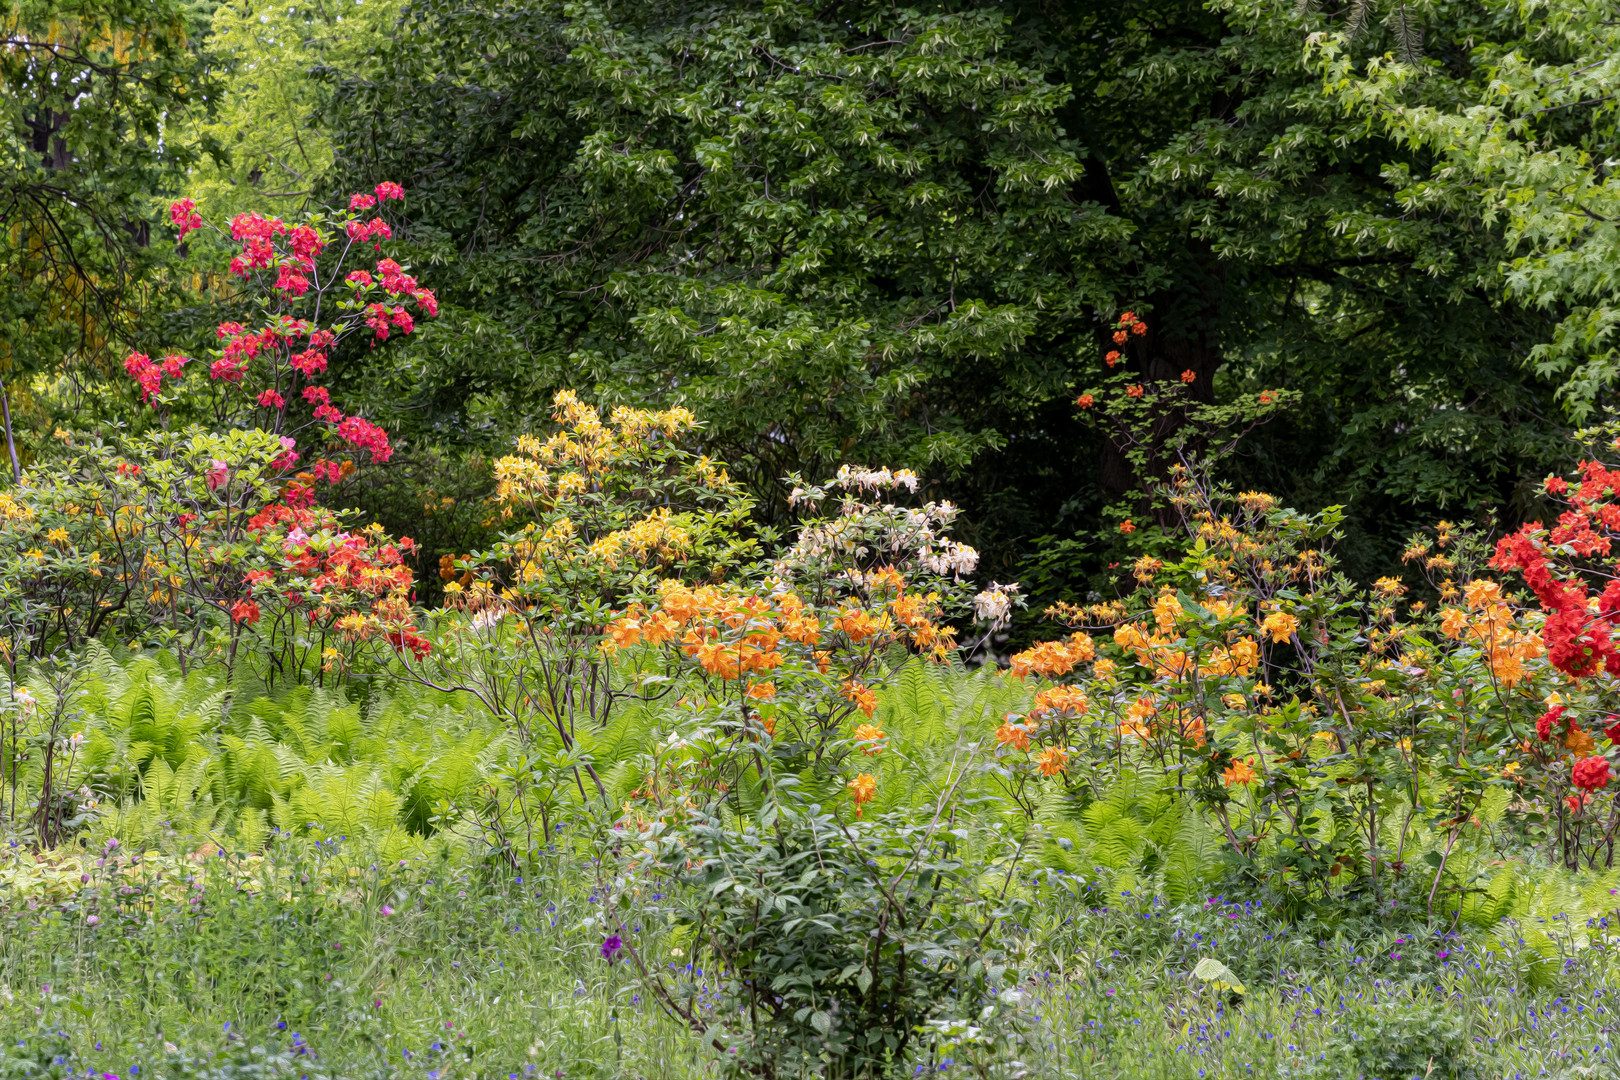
{"x":264,"y":369}
{"x":185,"y":217}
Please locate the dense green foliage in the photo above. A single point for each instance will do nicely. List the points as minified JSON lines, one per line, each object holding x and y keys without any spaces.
{"x":898,"y":235}
{"x":493,"y":595}
{"x":894,"y":232}
{"x":85,"y":91}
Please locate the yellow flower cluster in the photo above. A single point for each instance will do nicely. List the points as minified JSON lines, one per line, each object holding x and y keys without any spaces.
{"x":11,"y":510}
{"x":585,"y":448}
{"x":655,"y":534}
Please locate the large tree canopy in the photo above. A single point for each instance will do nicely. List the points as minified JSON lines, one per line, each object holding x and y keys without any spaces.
{"x":1521,"y":120}
{"x":836,"y":235}
{"x":855,"y":231}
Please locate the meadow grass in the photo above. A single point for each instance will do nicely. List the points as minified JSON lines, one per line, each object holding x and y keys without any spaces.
{"x":340,"y":965}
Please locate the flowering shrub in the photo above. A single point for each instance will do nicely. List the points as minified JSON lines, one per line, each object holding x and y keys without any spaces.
{"x":316,"y":594}
{"x":840,"y":941}
{"x":1570,"y":568}
{"x":142,"y":543}
{"x":1337,"y":739}
{"x":791,"y":665}
{"x":310,"y":295}
{"x":1156,"y":417}
{"x":601,"y":513}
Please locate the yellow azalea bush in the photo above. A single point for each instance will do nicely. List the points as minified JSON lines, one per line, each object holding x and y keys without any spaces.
{"x":598,"y":515}
{"x":1339,"y":737}
{"x":142,"y":542}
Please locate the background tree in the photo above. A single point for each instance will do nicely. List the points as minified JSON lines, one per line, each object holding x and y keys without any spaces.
{"x":1521,"y":121}
{"x":276,"y":154}
{"x":856,"y":231}
{"x":84,"y":87}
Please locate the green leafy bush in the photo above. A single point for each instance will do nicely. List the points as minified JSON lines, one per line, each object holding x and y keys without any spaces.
{"x":839,"y":942}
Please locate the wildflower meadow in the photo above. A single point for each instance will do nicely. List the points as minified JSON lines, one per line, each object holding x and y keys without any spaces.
{"x":550,"y":541}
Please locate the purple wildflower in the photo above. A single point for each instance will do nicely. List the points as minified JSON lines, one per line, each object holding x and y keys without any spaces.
{"x":611,"y":947}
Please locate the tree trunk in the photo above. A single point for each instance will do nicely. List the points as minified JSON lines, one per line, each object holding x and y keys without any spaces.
{"x":11,"y":441}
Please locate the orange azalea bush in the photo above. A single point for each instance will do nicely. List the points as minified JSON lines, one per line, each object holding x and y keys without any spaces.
{"x":1338,"y":736}
{"x":791,"y":665}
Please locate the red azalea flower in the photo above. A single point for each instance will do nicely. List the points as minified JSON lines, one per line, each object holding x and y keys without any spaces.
{"x":1547,"y":720}
{"x":1590,"y":774}
{"x":185,"y":217}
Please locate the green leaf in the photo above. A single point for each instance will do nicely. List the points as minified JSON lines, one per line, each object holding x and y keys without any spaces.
{"x":1218,"y":975}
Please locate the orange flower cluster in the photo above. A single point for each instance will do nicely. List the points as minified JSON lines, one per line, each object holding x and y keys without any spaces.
{"x":864,"y":697}
{"x":728,"y":634}
{"x":872,"y":738}
{"x":862,"y":789}
{"x":1128,"y":324}
{"x":1052,"y":760}
{"x":1161,"y":653}
{"x":917,"y":612}
{"x":1064,"y":699}
{"x":1280,"y":625}
{"x":1013,"y":735}
{"x":1491,"y":624}
{"x":858,"y":624}
{"x":1054,"y":658}
{"x":1240,"y":772}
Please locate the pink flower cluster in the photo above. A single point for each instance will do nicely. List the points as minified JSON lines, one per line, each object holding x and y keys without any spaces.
{"x":185,"y":217}
{"x":149,"y":375}
{"x":385,"y":191}
{"x":398,"y":283}
{"x":367,"y":436}
{"x":275,"y":363}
